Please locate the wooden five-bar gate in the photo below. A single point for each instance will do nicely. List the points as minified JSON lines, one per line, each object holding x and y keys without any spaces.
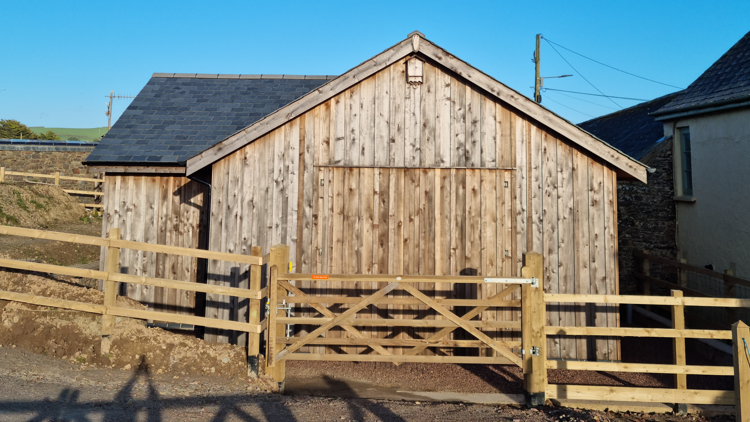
{"x":352,"y":311}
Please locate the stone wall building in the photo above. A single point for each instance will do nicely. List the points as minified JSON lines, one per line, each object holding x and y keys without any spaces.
{"x":48,"y":157}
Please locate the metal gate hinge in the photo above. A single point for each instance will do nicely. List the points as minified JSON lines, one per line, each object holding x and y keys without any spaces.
{"x":534,"y":282}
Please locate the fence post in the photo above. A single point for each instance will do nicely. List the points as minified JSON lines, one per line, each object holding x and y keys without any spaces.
{"x":534,"y":340}
{"x":682,"y":274}
{"x":740,"y":340}
{"x":253,"y":339}
{"x":111,"y":265}
{"x":2,"y":174}
{"x":646,"y":272}
{"x":57,"y":178}
{"x":731,"y":313}
{"x":279,"y":259}
{"x":678,"y":323}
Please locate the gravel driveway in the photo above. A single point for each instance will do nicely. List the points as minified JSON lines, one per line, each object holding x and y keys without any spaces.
{"x":41,"y":388}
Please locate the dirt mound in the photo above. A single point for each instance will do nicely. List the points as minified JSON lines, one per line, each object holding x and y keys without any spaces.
{"x":76,"y":336}
{"x":37,"y":206}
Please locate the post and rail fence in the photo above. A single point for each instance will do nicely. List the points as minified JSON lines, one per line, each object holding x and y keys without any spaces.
{"x":284,"y":291}
{"x":112,"y":276}
{"x":4,"y":173}
{"x":696,"y":282}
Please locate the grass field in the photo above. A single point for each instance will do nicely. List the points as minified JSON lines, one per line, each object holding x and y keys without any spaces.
{"x":65,"y":133}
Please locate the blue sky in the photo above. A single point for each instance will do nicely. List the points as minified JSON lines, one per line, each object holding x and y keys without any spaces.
{"x":60,"y":59}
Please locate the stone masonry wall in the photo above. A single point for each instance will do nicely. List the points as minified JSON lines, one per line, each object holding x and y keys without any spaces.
{"x":646,"y":218}
{"x":48,"y":158}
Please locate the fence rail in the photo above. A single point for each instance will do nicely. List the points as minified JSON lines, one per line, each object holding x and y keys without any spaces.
{"x":697,"y":282}
{"x":111,"y":276}
{"x":680,"y":395}
{"x":532,"y":358}
{"x":57,"y":177}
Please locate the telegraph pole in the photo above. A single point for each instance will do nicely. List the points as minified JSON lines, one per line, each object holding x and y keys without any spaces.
{"x":108,"y":113}
{"x":537,"y":79}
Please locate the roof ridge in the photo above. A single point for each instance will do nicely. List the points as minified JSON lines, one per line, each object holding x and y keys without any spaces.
{"x":239,"y":76}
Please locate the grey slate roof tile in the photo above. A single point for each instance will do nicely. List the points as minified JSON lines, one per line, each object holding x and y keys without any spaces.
{"x":176,"y":116}
{"x":632,"y":130}
{"x":726,"y":81}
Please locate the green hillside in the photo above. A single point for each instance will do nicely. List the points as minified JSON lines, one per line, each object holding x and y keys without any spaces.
{"x":89,"y":135}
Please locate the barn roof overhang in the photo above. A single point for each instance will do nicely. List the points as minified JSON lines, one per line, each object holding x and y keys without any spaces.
{"x":625,"y":166}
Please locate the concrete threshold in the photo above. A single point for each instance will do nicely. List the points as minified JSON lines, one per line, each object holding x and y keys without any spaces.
{"x":601,"y":405}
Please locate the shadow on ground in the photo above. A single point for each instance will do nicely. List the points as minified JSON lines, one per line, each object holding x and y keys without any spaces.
{"x":126,"y":407}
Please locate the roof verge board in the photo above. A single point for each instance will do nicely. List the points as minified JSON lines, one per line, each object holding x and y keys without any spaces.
{"x":418,"y":44}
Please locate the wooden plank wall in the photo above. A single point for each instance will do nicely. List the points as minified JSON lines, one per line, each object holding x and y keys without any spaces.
{"x":364,"y":183}
{"x":159,"y":209}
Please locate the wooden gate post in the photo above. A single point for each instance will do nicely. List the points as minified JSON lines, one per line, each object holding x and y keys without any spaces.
{"x":111,"y":266}
{"x":533,"y":321}
{"x":678,"y":323}
{"x":740,"y":343}
{"x":279,"y":258}
{"x":253,"y":318}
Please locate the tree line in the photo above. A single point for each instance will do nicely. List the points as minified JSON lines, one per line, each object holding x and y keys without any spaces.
{"x":13,"y":129}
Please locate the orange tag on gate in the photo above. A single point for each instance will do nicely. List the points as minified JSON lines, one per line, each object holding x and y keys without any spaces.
{"x":319,"y":277}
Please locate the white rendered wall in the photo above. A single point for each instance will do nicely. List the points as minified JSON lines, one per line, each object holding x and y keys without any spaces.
{"x":715,"y":229}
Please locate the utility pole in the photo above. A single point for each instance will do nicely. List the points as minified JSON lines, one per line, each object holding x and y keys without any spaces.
{"x":537,"y":79}
{"x":108,"y":113}
{"x":112,"y":93}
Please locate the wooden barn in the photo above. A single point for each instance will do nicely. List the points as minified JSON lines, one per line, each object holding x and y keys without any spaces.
{"x":413,"y":162}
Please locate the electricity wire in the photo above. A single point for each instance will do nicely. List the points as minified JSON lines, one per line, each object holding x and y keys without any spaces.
{"x":611,"y":67}
{"x":570,"y":108}
{"x":581,"y":99}
{"x":595,"y":95}
{"x":580,"y":74}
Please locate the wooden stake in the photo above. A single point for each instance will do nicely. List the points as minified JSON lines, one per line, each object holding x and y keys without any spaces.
{"x":253,"y":340}
{"x":2,"y":174}
{"x":678,"y":323}
{"x":646,"y":272}
{"x":534,"y":320}
{"x":57,"y":178}
{"x":740,"y":341}
{"x":682,"y":274}
{"x":731,"y":313}
{"x":279,"y":260}
{"x":111,"y":266}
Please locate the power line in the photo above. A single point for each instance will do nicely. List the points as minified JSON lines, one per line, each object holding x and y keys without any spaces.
{"x":596,"y":95}
{"x":570,"y":108}
{"x":580,"y":74}
{"x":611,"y":67}
{"x":581,"y":99}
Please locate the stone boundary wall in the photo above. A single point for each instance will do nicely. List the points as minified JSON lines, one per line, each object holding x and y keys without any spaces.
{"x":646,"y":219}
{"x":48,"y":157}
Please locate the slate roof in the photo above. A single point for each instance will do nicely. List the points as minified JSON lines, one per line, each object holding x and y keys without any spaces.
{"x":632,"y":130}
{"x":726,"y":82}
{"x":176,"y":116}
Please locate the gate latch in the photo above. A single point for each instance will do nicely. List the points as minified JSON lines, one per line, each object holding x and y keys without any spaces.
{"x":534,"y":351}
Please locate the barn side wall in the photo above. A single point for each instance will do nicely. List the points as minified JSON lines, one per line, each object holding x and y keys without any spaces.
{"x":390,"y":178}
{"x":164,"y":210}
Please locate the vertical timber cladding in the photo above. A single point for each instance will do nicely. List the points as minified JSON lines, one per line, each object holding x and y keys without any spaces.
{"x":159,"y":209}
{"x":431,"y":178}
